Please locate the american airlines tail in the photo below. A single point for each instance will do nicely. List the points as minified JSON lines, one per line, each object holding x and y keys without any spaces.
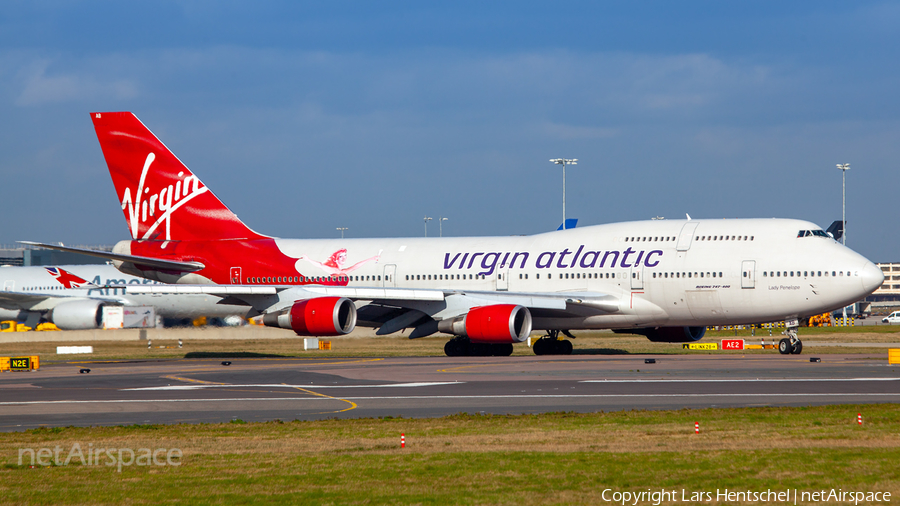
{"x":152,"y":183}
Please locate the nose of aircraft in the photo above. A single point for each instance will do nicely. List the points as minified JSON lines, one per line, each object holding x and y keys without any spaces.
{"x":871,"y":276}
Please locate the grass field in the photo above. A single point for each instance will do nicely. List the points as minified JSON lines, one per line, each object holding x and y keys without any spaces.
{"x":560,"y":458}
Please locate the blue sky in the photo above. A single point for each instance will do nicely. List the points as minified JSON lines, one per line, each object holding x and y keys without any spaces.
{"x":304,"y":117}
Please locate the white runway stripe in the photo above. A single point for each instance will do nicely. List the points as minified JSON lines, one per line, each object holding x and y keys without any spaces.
{"x":446,"y":397}
{"x":745,"y":380}
{"x":199,"y":386}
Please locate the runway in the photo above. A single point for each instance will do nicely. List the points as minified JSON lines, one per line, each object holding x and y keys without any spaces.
{"x":260,"y":389}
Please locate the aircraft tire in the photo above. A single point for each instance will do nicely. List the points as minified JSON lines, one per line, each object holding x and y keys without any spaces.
{"x":502,"y":350}
{"x":456,"y":348}
{"x":450,"y":349}
{"x":539,"y":347}
{"x":480,"y":349}
{"x":565,"y":347}
{"x":798,"y":348}
{"x":785,"y":347}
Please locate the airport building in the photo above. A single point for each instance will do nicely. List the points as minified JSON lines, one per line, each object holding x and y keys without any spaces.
{"x":25,"y":256}
{"x":889,"y":292}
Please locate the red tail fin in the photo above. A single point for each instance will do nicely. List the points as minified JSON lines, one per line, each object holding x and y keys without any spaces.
{"x":161,"y":198}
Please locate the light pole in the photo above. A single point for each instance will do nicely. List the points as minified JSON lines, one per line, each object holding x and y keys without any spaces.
{"x":844,"y":167}
{"x":342,"y":230}
{"x":441,"y":221}
{"x":564,"y":162}
{"x":427,"y":219}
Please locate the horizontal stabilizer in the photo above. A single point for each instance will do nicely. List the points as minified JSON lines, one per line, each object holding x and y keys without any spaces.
{"x":169,"y":265}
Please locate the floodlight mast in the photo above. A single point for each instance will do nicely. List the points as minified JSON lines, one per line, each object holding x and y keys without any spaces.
{"x":564,"y":162}
{"x":427,"y":219}
{"x":844,"y":167}
{"x":441,"y":221}
{"x":342,"y":230}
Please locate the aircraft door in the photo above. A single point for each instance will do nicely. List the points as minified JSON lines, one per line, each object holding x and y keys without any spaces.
{"x":236,"y":276}
{"x":748,"y":274}
{"x":637,"y":277}
{"x":503,"y":279}
{"x":389,"y":277}
{"x":686,"y":236}
{"x":9,"y":285}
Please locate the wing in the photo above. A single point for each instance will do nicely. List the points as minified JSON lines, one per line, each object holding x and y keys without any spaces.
{"x":31,"y":301}
{"x":394,"y":309}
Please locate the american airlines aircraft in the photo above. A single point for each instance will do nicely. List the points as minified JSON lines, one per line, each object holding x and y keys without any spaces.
{"x":665,"y":279}
{"x":64,"y":296}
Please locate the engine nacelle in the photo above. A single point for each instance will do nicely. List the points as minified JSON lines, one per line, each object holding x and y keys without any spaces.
{"x":319,"y":316}
{"x":674,"y":334}
{"x":501,"y":323}
{"x":78,"y":314}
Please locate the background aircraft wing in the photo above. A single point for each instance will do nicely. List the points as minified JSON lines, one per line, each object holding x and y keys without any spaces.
{"x":32,"y":301}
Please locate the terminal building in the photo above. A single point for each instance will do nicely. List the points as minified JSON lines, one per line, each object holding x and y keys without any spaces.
{"x":25,"y":256}
{"x":889,"y":292}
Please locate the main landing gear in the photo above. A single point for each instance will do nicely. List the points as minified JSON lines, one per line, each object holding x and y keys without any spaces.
{"x":790,"y":345}
{"x":463,"y":347}
{"x":551,"y":344}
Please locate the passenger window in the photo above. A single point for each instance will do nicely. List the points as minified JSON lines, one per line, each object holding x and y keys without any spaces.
{"x":526,"y":276}
{"x":820,"y":274}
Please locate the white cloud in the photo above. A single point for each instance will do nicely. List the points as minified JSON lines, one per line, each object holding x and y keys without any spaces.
{"x":40,"y":88}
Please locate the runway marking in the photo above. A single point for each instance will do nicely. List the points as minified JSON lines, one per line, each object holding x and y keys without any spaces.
{"x":284,"y":385}
{"x":459,"y":368}
{"x":438,"y":397}
{"x":189,"y":380}
{"x":317,"y":394}
{"x":746,"y":380}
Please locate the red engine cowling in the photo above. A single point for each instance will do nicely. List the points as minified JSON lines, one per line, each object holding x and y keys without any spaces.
{"x":501,"y":323}
{"x":320,"y":316}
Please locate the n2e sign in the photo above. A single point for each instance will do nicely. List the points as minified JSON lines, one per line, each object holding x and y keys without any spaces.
{"x":20,"y":363}
{"x":732,"y":344}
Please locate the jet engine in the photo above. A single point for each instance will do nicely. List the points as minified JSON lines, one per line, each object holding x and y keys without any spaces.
{"x":672,"y":334}
{"x":501,"y":323}
{"x":320,"y":316}
{"x":77,"y":314}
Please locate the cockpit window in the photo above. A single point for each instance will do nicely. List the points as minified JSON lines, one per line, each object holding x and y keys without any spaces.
{"x":810,"y":233}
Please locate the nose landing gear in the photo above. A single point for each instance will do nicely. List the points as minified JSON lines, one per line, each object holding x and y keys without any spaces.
{"x":790,"y":345}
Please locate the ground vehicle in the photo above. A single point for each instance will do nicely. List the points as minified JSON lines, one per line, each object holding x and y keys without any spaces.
{"x":892,"y":318}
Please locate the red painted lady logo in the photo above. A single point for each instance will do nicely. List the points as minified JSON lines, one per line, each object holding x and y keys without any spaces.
{"x":67,"y":279}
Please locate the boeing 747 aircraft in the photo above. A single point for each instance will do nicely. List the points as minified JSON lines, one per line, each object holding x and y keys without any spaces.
{"x":665,"y":279}
{"x":72,"y":296}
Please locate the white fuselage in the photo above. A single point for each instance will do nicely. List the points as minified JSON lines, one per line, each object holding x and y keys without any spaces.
{"x":663,"y":273}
